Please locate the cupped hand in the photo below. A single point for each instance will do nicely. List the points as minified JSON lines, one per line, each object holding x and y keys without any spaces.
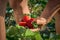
{"x":41,"y":22}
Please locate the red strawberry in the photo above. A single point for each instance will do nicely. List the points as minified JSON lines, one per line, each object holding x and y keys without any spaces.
{"x":32,"y":19}
{"x":30,"y":26}
{"x":26,"y":18}
{"x":29,"y":23}
{"x":22,"y":23}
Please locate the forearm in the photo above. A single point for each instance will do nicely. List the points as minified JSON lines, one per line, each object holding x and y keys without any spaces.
{"x":50,"y":9}
{"x":2,"y":19}
{"x":25,"y":8}
{"x":20,"y":8}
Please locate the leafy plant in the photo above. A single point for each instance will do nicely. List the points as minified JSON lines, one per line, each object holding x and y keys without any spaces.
{"x":19,"y":32}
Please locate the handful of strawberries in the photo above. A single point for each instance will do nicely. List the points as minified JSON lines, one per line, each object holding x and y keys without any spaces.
{"x":27,"y":22}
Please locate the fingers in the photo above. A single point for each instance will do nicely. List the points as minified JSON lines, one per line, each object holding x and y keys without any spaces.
{"x":41,"y":21}
{"x":35,"y":30}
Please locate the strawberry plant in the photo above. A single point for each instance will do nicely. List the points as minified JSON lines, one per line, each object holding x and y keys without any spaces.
{"x":21,"y":33}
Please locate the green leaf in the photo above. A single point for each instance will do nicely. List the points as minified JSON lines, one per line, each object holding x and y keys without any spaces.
{"x":35,"y":24}
{"x":19,"y":27}
{"x":38,"y":36}
{"x":12,"y":31}
{"x":29,"y":33}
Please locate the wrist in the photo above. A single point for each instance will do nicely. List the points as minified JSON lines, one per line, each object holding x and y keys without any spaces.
{"x":26,"y":10}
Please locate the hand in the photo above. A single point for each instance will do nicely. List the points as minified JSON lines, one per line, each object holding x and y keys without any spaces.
{"x":41,"y":21}
{"x":35,"y":30}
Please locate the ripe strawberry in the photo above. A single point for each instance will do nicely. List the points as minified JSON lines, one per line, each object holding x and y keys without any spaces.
{"x":26,"y":18}
{"x":29,"y":23}
{"x":22,"y":23}
{"x":30,"y":26}
{"x":32,"y":19}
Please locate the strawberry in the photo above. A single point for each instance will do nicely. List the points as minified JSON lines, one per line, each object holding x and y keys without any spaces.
{"x":26,"y":18}
{"x":30,"y":26}
{"x":22,"y":23}
{"x":32,"y":19}
{"x":29,"y":23}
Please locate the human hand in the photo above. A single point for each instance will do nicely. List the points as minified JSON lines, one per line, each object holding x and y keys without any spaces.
{"x":41,"y":21}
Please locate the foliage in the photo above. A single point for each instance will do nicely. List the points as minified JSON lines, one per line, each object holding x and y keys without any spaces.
{"x":21,"y":33}
{"x":36,"y":7}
